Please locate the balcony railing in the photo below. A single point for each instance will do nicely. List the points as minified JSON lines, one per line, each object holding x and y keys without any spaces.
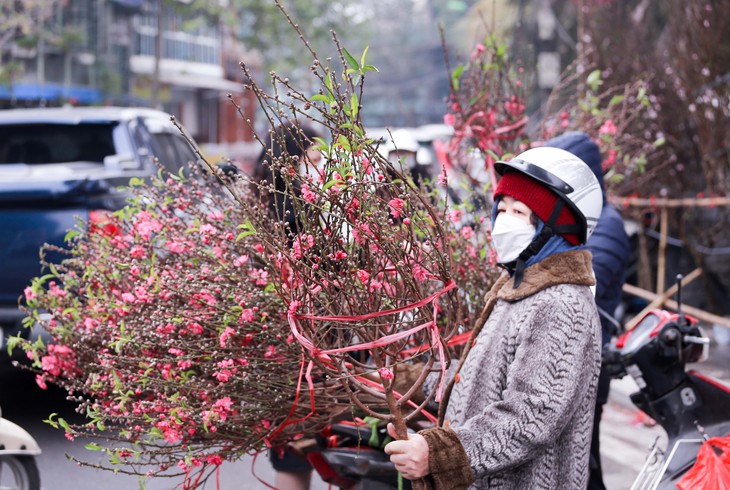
{"x":178,"y":45}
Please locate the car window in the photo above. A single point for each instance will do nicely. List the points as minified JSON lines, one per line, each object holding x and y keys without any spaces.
{"x":173,"y":150}
{"x":175,"y":153}
{"x":43,"y":143}
{"x":122,"y":140}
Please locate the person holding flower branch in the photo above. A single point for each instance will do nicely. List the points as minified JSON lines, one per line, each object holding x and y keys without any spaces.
{"x":518,"y":412}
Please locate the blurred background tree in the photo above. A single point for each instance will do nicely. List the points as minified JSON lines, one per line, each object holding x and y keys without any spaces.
{"x":677,"y":49}
{"x":22,"y":33}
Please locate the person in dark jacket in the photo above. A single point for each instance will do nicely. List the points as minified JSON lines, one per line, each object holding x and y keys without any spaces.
{"x":294,"y":140}
{"x":610,"y":247}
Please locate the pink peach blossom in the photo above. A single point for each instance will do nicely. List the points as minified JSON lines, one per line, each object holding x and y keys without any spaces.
{"x":396,"y":207}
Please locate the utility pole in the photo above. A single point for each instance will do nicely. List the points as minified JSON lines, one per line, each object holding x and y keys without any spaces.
{"x":158,"y":58}
{"x":548,"y":57}
{"x":41,"y":55}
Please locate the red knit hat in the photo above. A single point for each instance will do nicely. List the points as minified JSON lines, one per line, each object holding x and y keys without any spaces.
{"x":540,"y":199}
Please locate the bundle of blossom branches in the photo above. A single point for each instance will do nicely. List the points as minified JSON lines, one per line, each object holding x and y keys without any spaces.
{"x":487,"y":112}
{"x":486,"y":109}
{"x":168,"y":331}
{"x":370,"y":278}
{"x":621,"y":119}
{"x":213,"y":316}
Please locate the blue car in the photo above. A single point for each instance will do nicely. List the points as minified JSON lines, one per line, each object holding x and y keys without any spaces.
{"x":58,"y":165}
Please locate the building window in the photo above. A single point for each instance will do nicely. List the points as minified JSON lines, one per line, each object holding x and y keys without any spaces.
{"x":201,"y":46}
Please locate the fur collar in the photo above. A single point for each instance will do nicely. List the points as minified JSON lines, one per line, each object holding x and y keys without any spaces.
{"x":572,"y":267}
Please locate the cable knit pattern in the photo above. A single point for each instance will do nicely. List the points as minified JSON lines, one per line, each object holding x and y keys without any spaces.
{"x":522,"y":402}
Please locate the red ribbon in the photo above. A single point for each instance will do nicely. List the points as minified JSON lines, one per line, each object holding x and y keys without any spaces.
{"x":293,"y":317}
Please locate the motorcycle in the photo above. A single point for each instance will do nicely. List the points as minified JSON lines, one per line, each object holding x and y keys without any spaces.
{"x":350,"y":455}
{"x":18,"y":449}
{"x":689,"y":406}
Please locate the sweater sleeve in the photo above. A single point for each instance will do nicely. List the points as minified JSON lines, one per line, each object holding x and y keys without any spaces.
{"x":448,"y":462}
{"x":555,"y":366}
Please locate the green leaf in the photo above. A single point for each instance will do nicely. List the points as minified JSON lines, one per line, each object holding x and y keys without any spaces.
{"x":456,"y":76}
{"x":44,"y":279}
{"x":351,"y":61}
{"x":364,"y":53}
{"x":321,"y":97}
{"x":50,"y":420}
{"x":344,"y":142}
{"x":458,"y":71}
{"x":321,"y":143}
{"x":659,"y":142}
{"x":71,"y":234}
{"x":500,"y":50}
{"x":594,"y":80}
{"x":615,"y":178}
{"x":54,"y":271}
{"x":615,"y":100}
{"x":92,"y":447}
{"x":250,"y":230}
{"x":354,"y":103}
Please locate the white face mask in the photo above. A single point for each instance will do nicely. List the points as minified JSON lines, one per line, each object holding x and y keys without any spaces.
{"x":511,"y":236}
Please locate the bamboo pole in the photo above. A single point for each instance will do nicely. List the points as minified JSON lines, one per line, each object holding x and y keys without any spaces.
{"x":672,"y":305}
{"x":661,"y":271}
{"x":641,"y":202}
{"x":644,"y":267}
{"x":658,"y":299}
{"x":660,"y":202}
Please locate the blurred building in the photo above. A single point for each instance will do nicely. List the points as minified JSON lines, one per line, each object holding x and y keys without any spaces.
{"x":132,"y":53}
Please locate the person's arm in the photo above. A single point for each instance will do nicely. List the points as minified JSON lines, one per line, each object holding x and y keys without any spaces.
{"x":610,"y":249}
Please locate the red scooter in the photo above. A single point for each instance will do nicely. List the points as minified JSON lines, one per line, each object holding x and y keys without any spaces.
{"x":689,"y":406}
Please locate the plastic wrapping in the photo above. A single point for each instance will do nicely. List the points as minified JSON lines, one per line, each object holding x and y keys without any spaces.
{"x":712,"y":469}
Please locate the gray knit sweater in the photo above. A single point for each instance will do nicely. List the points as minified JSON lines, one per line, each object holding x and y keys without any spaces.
{"x":521,"y":406}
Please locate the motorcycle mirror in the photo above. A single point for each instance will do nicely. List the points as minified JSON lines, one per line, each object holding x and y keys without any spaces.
{"x":681,"y":320}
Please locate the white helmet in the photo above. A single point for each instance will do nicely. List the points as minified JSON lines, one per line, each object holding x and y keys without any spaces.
{"x":568,"y":176}
{"x":400,"y":140}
